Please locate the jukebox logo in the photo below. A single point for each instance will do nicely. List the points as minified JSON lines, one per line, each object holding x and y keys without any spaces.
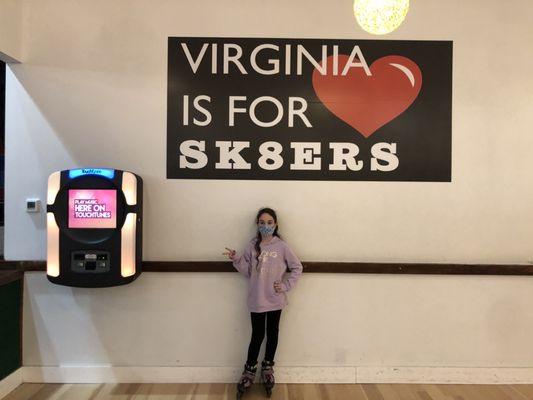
{"x":290,"y":109}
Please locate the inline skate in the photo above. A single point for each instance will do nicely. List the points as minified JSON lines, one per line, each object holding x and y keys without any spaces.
{"x":247,"y":379}
{"x":267,"y":376}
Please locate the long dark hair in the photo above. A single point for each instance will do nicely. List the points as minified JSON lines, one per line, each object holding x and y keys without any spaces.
{"x":272,"y":213}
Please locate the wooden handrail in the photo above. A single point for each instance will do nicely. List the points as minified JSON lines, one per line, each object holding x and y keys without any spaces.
{"x":317,"y":267}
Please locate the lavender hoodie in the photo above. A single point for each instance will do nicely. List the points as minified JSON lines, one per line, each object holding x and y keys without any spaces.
{"x":275,"y":258}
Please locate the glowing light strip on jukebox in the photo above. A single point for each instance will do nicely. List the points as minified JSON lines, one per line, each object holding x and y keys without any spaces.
{"x":127,"y":264}
{"x":52,"y":230}
{"x":52,"y":262}
{"x":129,"y":187}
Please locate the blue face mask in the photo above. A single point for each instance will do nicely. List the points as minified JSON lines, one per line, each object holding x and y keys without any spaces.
{"x":266,"y":230}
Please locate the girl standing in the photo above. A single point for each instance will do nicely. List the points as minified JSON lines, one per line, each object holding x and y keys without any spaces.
{"x":272,"y":270}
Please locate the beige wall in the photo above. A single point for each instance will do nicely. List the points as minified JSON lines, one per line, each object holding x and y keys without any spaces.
{"x":176,"y":320}
{"x":92,"y":91}
{"x":11,"y":30}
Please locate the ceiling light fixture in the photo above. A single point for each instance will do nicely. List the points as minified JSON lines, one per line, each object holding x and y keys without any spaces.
{"x":380,"y":17}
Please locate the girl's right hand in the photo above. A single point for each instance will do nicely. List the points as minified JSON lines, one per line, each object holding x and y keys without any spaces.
{"x":232,"y":254}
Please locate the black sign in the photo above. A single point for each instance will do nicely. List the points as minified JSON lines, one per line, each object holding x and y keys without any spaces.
{"x":309,"y":109}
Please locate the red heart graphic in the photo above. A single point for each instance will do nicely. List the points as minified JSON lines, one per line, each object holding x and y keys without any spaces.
{"x":368,"y":102}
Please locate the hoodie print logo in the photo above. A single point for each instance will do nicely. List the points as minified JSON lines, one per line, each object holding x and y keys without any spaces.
{"x":263,"y":258}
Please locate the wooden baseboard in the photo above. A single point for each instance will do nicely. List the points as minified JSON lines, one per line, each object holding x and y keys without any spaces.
{"x":10,"y":383}
{"x":284,"y":374}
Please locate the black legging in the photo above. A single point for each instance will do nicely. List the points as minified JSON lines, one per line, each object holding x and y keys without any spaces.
{"x":258,"y":334}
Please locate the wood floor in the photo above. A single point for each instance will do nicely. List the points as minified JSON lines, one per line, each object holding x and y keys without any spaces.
{"x":37,"y":391}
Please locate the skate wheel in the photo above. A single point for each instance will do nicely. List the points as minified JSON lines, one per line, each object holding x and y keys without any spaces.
{"x":240,"y":392}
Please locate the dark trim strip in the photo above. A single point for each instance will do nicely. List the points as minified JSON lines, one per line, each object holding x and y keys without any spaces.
{"x":317,"y":267}
{"x":351,"y":268}
{"x":23,"y":265}
{"x":9,"y":276}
